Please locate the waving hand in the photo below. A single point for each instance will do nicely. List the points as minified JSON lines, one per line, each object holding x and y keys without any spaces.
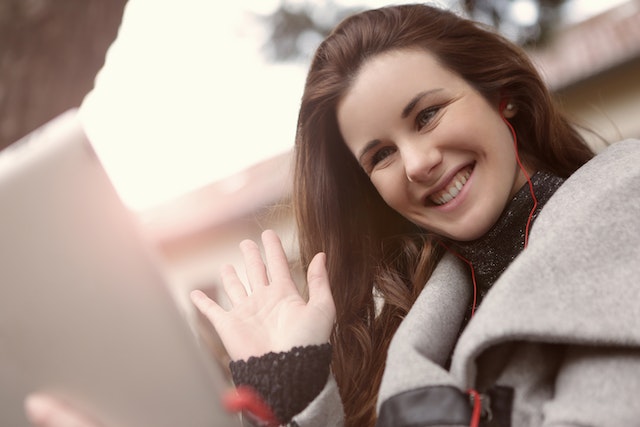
{"x":272,"y":316}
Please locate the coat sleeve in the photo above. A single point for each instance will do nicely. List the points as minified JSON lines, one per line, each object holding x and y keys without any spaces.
{"x":596,"y":386}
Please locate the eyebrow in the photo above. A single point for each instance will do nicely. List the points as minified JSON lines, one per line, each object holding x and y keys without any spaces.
{"x":405,"y":113}
{"x":414,"y":101}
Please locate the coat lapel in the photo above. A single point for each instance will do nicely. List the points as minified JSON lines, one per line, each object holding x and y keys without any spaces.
{"x":426,"y":337}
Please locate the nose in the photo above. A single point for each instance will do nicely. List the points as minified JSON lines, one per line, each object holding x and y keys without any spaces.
{"x":420,"y":161}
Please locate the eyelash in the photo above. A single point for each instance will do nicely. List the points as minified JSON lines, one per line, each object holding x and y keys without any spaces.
{"x":376,"y":157}
{"x":431,"y":111}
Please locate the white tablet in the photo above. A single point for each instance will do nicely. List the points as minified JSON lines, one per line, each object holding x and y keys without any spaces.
{"x":85,"y":313}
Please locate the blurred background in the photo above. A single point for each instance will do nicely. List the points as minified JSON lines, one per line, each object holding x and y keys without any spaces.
{"x":192,"y":105}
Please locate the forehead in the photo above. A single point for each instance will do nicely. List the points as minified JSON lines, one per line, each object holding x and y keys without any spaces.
{"x":386,"y":83}
{"x":400,"y":60}
{"x":399,"y":71}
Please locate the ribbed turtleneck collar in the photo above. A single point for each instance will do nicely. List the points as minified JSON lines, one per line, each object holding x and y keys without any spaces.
{"x":492,"y":253}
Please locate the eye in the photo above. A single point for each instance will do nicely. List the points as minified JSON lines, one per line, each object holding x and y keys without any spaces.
{"x":380,"y":155}
{"x":425,"y":116}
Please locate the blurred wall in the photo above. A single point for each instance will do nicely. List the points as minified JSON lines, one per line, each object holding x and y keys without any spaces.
{"x":607,"y":103}
{"x":594,"y":69}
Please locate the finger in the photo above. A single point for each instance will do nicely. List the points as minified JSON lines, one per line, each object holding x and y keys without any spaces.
{"x":208,"y":307}
{"x":276,"y":258}
{"x":256,"y":270}
{"x":44,"y":411}
{"x":232,"y":284}
{"x":319,"y":286}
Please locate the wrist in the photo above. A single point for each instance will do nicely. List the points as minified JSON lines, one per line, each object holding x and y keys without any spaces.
{"x":287,"y":381}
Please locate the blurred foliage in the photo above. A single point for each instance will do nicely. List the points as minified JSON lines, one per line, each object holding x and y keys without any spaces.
{"x":502,"y":15}
{"x":296,"y":27}
{"x":50,"y":52}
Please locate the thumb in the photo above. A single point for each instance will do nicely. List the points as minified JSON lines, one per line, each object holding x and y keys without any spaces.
{"x":45,"y":411}
{"x":319,"y":286}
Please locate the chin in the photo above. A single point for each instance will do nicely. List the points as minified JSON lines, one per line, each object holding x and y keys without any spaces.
{"x":463,"y":237}
{"x":467,"y":234}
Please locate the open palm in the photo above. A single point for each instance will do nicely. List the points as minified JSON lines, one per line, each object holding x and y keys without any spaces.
{"x":273,"y":316}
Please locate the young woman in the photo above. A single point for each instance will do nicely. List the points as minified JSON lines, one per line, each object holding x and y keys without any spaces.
{"x":470,"y":261}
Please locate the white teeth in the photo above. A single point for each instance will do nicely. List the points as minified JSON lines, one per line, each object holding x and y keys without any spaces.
{"x":454,"y":188}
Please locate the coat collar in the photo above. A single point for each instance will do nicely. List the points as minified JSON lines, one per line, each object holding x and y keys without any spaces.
{"x":577,"y":282}
{"x":427,"y":335}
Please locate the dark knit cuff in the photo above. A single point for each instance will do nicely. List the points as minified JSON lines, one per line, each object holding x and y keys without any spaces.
{"x":287,"y":381}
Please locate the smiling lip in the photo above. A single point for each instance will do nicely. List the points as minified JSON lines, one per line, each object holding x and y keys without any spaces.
{"x":452,"y":188}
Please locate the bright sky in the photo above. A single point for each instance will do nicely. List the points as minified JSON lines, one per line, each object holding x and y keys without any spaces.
{"x":185,"y":97}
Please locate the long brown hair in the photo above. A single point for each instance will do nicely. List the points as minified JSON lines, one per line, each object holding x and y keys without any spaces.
{"x":371,"y":249}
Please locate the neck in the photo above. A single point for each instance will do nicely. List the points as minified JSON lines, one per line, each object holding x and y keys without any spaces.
{"x":492,"y":253}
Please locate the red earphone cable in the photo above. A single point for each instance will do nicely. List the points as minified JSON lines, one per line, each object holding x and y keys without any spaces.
{"x":529,"y":219}
{"x":477,"y":403}
{"x":477,"y":408}
{"x":524,"y":171}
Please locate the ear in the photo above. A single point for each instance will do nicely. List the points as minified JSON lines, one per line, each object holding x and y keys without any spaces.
{"x":508,"y":109}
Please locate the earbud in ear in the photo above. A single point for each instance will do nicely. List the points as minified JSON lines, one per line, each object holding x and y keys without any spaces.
{"x":508,"y":109}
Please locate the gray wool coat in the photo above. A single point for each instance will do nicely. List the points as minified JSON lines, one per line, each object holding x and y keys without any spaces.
{"x":559,"y":331}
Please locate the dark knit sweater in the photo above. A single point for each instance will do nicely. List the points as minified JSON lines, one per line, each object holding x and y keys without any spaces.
{"x":491,"y":254}
{"x":289,"y":381}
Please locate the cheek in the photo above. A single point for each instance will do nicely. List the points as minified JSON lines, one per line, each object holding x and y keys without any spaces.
{"x":390,"y":189}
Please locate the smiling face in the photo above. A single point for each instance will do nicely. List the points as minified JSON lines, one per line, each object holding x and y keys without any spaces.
{"x":436,"y":150}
